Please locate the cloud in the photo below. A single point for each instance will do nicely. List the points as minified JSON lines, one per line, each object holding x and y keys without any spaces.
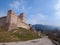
{"x":57,"y":15}
{"x":57,"y":8}
{"x":19,"y":5}
{"x":15,"y":5}
{"x":55,"y":19}
{"x":37,"y":19}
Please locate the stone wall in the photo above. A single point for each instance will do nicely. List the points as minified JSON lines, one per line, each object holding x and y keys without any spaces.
{"x":3,"y":21}
{"x":12,"y":21}
{"x":23,"y":25}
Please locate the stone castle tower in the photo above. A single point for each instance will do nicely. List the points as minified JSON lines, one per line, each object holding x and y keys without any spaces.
{"x":12,"y":21}
{"x":22,"y":17}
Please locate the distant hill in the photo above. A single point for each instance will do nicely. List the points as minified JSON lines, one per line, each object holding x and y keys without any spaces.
{"x":43,"y":27}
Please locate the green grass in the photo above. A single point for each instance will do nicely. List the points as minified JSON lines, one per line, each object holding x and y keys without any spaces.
{"x":20,"y":35}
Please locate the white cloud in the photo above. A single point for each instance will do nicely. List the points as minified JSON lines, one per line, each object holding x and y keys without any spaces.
{"x":15,"y":5}
{"x":56,"y":17}
{"x":37,"y":19}
{"x":57,"y":8}
{"x":19,"y":5}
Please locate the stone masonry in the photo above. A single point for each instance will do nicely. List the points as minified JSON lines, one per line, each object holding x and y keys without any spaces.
{"x":12,"y":21}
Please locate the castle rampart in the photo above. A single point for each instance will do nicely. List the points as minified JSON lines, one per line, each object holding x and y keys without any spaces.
{"x":12,"y":21}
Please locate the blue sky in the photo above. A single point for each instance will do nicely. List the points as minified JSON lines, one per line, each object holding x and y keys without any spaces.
{"x":45,"y":12}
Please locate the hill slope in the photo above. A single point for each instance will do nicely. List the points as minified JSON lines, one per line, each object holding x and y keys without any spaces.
{"x":18,"y":35}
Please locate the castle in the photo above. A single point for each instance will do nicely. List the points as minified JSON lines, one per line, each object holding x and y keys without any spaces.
{"x":12,"y":21}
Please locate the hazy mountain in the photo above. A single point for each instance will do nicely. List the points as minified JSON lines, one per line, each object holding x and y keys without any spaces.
{"x":44,"y":27}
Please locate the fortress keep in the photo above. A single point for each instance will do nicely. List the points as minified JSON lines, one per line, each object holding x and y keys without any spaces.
{"x":12,"y":21}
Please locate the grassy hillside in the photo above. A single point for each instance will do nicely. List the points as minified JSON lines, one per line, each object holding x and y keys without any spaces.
{"x":18,"y":35}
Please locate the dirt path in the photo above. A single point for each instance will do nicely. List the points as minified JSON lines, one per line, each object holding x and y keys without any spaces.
{"x":42,"y":41}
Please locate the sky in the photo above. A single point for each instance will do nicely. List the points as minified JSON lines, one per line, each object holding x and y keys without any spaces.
{"x":46,"y":12}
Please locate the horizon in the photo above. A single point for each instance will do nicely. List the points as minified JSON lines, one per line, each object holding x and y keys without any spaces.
{"x":46,"y":12}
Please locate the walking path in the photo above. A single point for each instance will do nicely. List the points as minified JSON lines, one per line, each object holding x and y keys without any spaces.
{"x":41,"y":41}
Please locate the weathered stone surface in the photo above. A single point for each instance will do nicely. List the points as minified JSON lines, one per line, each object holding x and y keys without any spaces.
{"x":12,"y":21}
{"x":22,"y":17}
{"x":3,"y":21}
